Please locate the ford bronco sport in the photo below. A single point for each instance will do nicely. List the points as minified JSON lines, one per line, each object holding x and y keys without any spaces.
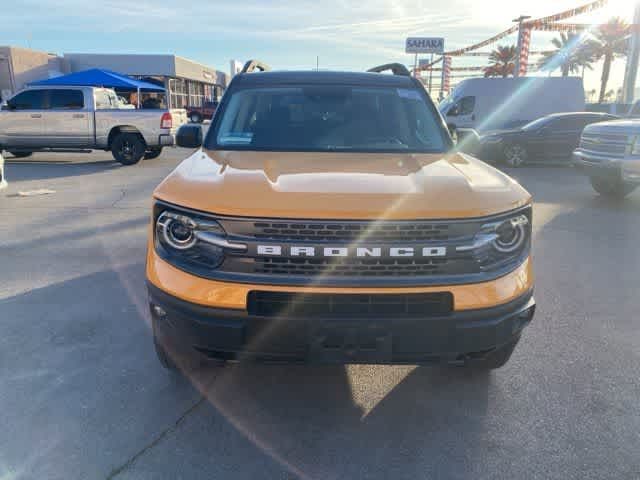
{"x":328,"y":217}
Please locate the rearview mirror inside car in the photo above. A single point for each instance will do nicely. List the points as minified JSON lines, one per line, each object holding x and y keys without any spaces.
{"x":189,"y":136}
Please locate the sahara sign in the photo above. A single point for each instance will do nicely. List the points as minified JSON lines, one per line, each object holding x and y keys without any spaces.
{"x":425,"y":45}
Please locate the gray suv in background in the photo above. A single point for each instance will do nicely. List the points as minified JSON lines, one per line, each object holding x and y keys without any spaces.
{"x":609,"y":153}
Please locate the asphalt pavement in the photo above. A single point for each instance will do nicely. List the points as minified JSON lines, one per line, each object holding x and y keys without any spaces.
{"x":82,"y":395}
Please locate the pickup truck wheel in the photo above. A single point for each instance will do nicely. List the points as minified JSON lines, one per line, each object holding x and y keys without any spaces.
{"x":515,"y":155}
{"x":195,"y":117}
{"x":127,"y":148}
{"x":611,"y":188}
{"x":152,"y":153}
{"x":21,"y":154}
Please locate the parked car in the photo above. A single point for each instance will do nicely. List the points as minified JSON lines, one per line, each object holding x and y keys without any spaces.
{"x":486,"y":104}
{"x":553,"y":137}
{"x":609,"y":153}
{"x":204,"y":112}
{"x":327,"y":217}
{"x":3,"y":180}
{"x":82,"y":118}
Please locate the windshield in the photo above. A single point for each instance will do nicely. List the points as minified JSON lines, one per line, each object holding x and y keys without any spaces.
{"x":444,"y":104}
{"x":329,"y":118}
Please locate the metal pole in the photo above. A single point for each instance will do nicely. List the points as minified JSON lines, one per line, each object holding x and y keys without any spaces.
{"x":631,"y":70}
{"x":430,"y":74}
{"x":442,"y":78}
{"x":520,"y":20}
{"x":415,"y":66}
{"x":317,"y":63}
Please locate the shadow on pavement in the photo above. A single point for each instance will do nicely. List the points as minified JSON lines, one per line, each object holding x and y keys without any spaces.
{"x":80,"y":387}
{"x":81,"y":394}
{"x":321,"y":422}
{"x":32,"y":170}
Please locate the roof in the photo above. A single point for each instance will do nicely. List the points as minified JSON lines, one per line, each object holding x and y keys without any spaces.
{"x":96,"y":77}
{"x":322,"y":78}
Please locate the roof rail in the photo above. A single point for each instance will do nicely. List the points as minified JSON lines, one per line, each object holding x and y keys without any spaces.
{"x":396,"y":69}
{"x":252,"y":65}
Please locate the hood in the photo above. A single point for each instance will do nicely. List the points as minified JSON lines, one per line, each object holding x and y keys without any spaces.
{"x":340,"y":185}
{"x":623,"y":127}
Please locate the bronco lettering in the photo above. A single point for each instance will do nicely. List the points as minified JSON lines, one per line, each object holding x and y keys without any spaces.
{"x":296,"y":250}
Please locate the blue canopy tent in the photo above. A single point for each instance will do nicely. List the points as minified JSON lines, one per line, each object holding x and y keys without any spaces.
{"x":96,"y":77}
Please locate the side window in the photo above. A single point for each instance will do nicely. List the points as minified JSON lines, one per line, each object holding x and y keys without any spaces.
{"x":66,"y":99}
{"x":104,"y":101}
{"x":571,"y":124}
{"x":467,"y":105}
{"x":29,"y":100}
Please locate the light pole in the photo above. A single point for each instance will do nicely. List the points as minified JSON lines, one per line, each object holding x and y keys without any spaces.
{"x":520,"y":20}
{"x":631,"y":70}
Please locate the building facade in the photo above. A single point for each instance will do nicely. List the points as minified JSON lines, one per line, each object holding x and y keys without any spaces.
{"x":20,"y":66}
{"x":188,"y":83}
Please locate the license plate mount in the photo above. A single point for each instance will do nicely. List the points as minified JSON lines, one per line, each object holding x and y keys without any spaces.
{"x":342,"y":342}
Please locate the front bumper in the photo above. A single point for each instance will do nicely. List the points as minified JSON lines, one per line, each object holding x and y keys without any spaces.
{"x":625,"y":169}
{"x":234,"y":334}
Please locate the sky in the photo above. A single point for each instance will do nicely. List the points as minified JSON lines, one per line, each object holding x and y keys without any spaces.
{"x":342,"y":34}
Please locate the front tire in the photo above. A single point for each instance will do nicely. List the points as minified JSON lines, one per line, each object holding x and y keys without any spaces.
{"x":515,"y":155}
{"x":128,"y":148}
{"x":611,"y":188}
{"x":21,"y":154}
{"x":153,"y":153}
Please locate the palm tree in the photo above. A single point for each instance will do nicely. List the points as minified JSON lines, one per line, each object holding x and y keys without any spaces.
{"x":610,"y":43}
{"x":503,"y":62}
{"x":609,"y":95}
{"x":570,"y":55}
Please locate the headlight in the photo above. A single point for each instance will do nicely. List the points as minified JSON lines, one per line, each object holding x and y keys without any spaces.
{"x":501,"y":242}
{"x":189,"y":240}
{"x":511,"y":234}
{"x":176,"y":230}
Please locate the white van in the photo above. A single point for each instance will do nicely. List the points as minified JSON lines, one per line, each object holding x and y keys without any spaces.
{"x":498,"y":103}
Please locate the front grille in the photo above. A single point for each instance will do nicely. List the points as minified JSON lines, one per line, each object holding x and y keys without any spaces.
{"x":285,"y":304}
{"x":347,"y":231}
{"x":608,"y":144}
{"x":346,"y":267}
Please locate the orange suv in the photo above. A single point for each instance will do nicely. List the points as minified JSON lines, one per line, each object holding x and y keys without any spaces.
{"x":328,"y":217}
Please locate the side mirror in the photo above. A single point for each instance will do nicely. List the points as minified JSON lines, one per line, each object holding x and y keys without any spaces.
{"x":189,"y":136}
{"x":467,"y":140}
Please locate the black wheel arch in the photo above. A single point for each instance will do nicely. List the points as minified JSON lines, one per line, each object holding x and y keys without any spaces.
{"x":115,"y":131}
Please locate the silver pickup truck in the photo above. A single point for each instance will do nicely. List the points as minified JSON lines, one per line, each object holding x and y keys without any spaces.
{"x":609,"y":153}
{"x":84,"y":118}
